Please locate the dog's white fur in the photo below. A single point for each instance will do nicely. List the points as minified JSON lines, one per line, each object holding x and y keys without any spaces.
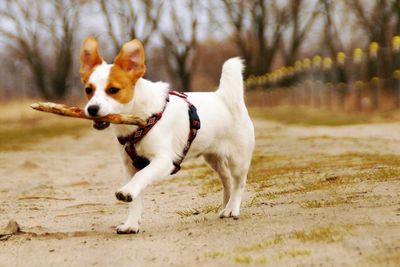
{"x":225,"y":140}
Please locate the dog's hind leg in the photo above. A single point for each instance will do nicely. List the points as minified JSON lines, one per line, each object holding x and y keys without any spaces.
{"x":239,"y":173}
{"x":220,"y":165}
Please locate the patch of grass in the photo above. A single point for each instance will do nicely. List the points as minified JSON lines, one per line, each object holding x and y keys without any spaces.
{"x":215,"y":255}
{"x":210,"y":208}
{"x":299,"y":174}
{"x":210,"y":185}
{"x":312,"y":204}
{"x":323,"y":235}
{"x":246,"y":260}
{"x":17,"y":137}
{"x":20,"y":126}
{"x":200,"y":220}
{"x":243,"y":259}
{"x":385,"y":259}
{"x":313,"y":117}
{"x":370,"y":159}
{"x":261,"y":197}
{"x":328,"y":138}
{"x":196,"y":211}
{"x":304,"y":174}
{"x":261,"y":246}
{"x":188,"y":212}
{"x":294,"y":253}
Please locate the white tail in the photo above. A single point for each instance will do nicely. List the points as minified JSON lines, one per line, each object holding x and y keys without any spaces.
{"x":231,"y":84}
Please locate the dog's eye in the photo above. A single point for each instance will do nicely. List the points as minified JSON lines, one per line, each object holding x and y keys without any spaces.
{"x":112,"y":90}
{"x":88,"y":90}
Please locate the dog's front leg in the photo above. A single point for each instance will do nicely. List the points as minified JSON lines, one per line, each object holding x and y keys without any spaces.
{"x":157,"y":169}
{"x":132,"y":223}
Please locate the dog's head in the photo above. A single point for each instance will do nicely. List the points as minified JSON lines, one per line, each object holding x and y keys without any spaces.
{"x":110,"y":87}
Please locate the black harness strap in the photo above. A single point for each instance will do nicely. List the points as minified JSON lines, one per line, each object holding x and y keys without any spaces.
{"x":194,"y":121}
{"x":129,"y":141}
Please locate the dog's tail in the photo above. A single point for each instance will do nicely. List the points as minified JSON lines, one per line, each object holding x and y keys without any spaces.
{"x":231,"y":85}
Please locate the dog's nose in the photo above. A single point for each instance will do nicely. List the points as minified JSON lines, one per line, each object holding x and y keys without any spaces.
{"x":93,"y":110}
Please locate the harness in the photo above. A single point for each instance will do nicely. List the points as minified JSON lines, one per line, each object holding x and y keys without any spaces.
{"x":129,"y":141}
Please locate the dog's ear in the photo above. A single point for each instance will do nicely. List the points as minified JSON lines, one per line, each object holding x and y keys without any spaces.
{"x":89,"y":58}
{"x":131,"y":59}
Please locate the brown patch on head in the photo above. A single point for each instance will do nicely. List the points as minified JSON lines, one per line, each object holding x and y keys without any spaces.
{"x":119,"y":85}
{"x":131,"y":60}
{"x":128,"y":68}
{"x":89,"y":58}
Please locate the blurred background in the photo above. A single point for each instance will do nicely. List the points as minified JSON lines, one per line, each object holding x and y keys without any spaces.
{"x":334,"y":54}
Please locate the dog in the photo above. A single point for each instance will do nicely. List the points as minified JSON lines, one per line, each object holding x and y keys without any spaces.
{"x":225,"y":138}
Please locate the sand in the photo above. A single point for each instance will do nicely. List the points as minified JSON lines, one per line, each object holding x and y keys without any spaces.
{"x":61,"y":193}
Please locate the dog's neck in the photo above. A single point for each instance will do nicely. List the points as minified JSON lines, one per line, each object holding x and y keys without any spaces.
{"x":149,"y":98}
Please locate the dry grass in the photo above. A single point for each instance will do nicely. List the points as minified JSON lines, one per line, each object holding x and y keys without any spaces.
{"x":275,"y":176}
{"x":261,"y":246}
{"x":304,"y":173}
{"x":20,"y":126}
{"x":386,"y":259}
{"x":215,"y":255}
{"x":313,"y":204}
{"x":196,"y":211}
{"x":311,"y":116}
{"x":294,"y":253}
{"x":247,"y":260}
{"x":252,"y":254}
{"x":322,"y":235}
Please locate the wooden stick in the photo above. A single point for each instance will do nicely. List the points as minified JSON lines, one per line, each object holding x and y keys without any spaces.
{"x":76,"y":112}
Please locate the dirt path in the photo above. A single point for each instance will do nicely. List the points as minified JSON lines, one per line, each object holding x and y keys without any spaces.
{"x":316,"y":196}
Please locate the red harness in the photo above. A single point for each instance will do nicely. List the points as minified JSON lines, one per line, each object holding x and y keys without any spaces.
{"x":129,"y":141}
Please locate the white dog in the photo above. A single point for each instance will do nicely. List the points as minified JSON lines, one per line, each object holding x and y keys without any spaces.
{"x":225,"y":138}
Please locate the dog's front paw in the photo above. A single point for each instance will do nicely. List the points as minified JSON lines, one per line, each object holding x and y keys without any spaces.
{"x":123,"y":196}
{"x":124,"y":229}
{"x":229,"y":213}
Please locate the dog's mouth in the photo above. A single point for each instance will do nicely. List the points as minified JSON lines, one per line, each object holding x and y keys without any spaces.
{"x":100,"y":125}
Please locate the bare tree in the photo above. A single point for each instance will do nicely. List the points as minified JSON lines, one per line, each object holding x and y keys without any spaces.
{"x":299,"y":25}
{"x":26,"y":26}
{"x":396,"y":8}
{"x":379,"y":20}
{"x":376,"y":18}
{"x":257,"y":31}
{"x":331,"y":39}
{"x":127,"y":20}
{"x":180,"y":43}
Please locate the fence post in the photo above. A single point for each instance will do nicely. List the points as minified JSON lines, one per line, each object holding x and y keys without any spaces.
{"x":341,"y":78}
{"x":307,"y":94}
{"x":327,"y":80}
{"x":298,"y":80}
{"x":396,"y":61}
{"x":316,"y":77}
{"x":357,"y":58}
{"x":373,"y":73}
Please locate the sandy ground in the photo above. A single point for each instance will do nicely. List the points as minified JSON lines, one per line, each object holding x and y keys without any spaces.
{"x":317,"y":196}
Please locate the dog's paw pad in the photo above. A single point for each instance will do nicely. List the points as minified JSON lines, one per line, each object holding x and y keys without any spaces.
{"x":126,"y":197}
{"x":126,"y":230}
